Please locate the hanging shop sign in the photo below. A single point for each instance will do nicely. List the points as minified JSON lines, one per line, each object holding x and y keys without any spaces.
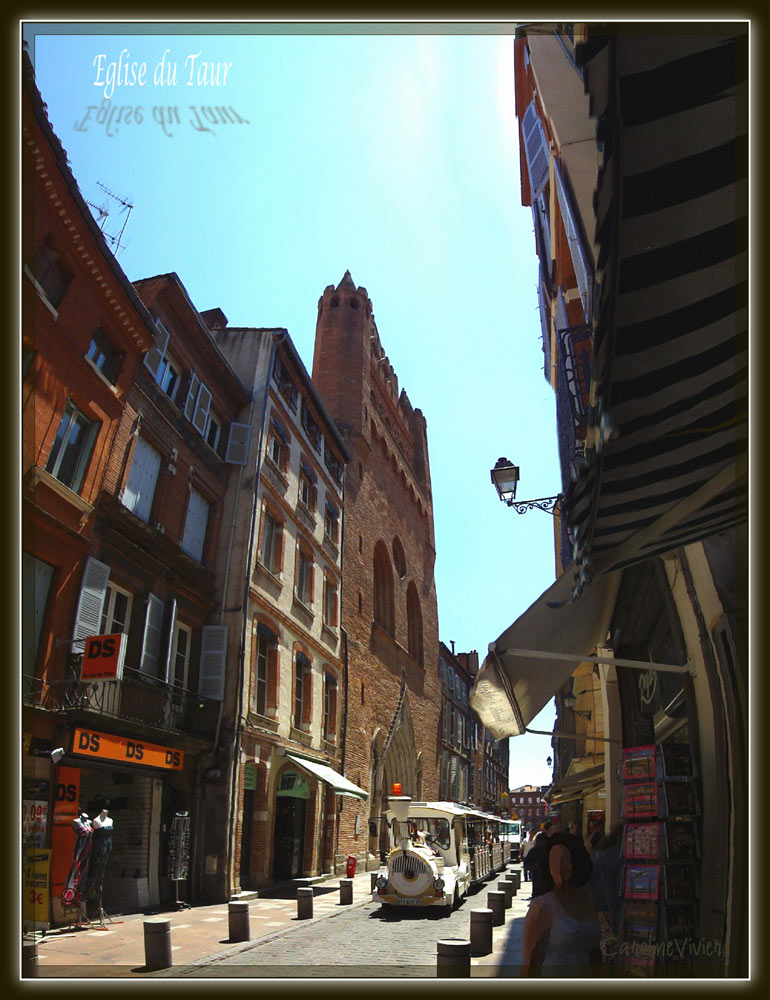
{"x":107,"y":746}
{"x":103,"y":657}
{"x":249,"y":778}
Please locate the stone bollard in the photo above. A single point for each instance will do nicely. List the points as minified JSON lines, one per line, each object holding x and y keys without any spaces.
{"x":508,"y":888}
{"x":346,"y":891}
{"x":305,"y":903}
{"x":515,"y":877}
{"x":28,"y":958}
{"x":481,"y":932}
{"x":238,"y":920}
{"x":453,"y":957}
{"x":496,"y":903}
{"x":157,"y":944}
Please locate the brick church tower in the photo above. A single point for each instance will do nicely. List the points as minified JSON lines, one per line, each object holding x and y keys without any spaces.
{"x":389,"y":610}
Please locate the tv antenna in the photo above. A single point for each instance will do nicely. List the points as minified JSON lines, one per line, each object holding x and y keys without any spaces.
{"x":102,"y":214}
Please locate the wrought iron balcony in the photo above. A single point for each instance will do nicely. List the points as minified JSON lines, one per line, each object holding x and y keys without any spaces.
{"x":136,"y":698}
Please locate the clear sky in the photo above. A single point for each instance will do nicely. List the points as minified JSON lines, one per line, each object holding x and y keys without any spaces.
{"x":394,"y":156}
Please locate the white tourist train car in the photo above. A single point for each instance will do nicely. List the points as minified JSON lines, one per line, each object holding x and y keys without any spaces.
{"x":441,"y":849}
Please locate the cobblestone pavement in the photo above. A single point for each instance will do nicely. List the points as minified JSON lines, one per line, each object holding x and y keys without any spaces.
{"x":370,"y":942}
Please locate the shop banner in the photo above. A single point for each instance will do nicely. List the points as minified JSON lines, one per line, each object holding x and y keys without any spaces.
{"x":65,"y":810}
{"x":36,"y":895}
{"x":106,"y":746}
{"x":103,"y":657}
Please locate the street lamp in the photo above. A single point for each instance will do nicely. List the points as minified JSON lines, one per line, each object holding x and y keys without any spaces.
{"x":505,"y":477}
{"x":570,"y":701}
{"x":549,"y":761}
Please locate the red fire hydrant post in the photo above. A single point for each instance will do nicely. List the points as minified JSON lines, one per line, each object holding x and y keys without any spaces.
{"x":350,"y":866}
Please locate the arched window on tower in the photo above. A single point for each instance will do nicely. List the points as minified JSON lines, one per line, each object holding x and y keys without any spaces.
{"x":414,"y":623}
{"x":384,"y":605}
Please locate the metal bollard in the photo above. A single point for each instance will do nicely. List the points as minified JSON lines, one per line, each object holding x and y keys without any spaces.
{"x":508,"y":888}
{"x":453,"y":957}
{"x":157,"y":944}
{"x":346,"y":891}
{"x":496,"y":903}
{"x":481,"y":932}
{"x":28,"y":958}
{"x":305,"y":903}
{"x":238,"y":920}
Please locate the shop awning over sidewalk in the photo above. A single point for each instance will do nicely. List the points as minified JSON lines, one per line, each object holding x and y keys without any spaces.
{"x":575,"y":786}
{"x":531,"y":659}
{"x":325,"y":773}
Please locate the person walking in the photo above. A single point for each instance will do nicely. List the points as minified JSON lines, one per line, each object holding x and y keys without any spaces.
{"x":526,"y":847}
{"x":561,"y":932}
{"x":541,"y":879}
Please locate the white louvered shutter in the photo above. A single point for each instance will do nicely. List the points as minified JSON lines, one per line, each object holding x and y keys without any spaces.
{"x":211,"y":673}
{"x":153,"y":627}
{"x":535,"y":149}
{"x":142,"y":477}
{"x":192,"y":396}
{"x":88,"y":618}
{"x":156,"y":354}
{"x":238,"y":444}
{"x":201,"y":414}
{"x":168,"y":667}
{"x":195,"y":526}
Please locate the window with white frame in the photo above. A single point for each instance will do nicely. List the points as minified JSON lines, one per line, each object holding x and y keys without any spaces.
{"x":104,"y":356}
{"x":72,"y":447}
{"x":331,"y":602}
{"x":142,"y":479}
{"x":270,"y":550}
{"x":180,"y":655}
{"x":332,"y":523}
{"x":302,"y":692}
{"x":116,"y":613}
{"x":168,"y":377}
{"x":195,"y":526}
{"x":304,"y":573}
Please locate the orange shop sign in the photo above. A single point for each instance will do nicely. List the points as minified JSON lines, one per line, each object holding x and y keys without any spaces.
{"x":106,"y":746}
{"x":103,"y":657}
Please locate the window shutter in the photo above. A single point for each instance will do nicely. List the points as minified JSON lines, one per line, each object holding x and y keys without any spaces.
{"x":201,"y":415}
{"x":170,"y":645}
{"x":155,"y":355}
{"x":536,"y":150}
{"x":580,"y":258}
{"x":192,"y":396}
{"x":211,"y":674}
{"x":93,"y":590}
{"x":238,"y":444}
{"x":142,"y":477}
{"x":153,"y":626}
{"x":277,"y":555}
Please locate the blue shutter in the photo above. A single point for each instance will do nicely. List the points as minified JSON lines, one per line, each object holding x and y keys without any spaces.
{"x":535,"y":149}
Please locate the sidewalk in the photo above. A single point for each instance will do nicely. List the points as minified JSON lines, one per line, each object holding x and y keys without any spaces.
{"x":197,"y":933}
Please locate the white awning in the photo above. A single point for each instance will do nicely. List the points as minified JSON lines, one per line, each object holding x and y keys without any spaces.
{"x":340,"y":785}
{"x":512,"y":688}
{"x":575,"y":786}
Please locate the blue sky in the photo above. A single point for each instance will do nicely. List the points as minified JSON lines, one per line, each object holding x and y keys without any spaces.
{"x":394,"y":156}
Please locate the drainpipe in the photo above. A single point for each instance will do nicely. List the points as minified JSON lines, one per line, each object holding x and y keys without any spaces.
{"x":242,"y":653}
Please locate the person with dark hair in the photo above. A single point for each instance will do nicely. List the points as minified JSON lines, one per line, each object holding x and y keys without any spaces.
{"x":561,"y":931}
{"x":541,"y":879}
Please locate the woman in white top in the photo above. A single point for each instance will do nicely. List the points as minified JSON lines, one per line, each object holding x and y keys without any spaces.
{"x":561,"y":931}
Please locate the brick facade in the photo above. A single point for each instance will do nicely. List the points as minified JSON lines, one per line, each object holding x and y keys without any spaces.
{"x":389,"y":610}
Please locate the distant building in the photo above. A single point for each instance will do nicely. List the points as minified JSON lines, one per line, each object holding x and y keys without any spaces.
{"x":458,"y":728}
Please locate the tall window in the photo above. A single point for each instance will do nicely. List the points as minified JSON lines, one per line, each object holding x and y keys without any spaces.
{"x":304,"y":574}
{"x":330,"y":706}
{"x":261,"y":668}
{"x":302,"y":693}
{"x":180,"y":655}
{"x":195,"y":526}
{"x":307,"y":487}
{"x":278,"y":445}
{"x":265,"y":670}
{"x":331,"y":602}
{"x":332,"y":523}
{"x":384,"y":611}
{"x":50,"y":273}
{"x":72,"y":447}
{"x":142,"y":479}
{"x":414,"y":623}
{"x":116,"y":613}
{"x":271,"y":542}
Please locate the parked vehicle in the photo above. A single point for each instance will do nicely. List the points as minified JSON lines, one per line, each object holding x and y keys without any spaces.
{"x":441,"y":849}
{"x":510,"y":833}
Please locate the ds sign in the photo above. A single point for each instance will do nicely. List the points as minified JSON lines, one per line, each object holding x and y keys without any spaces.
{"x":106,"y":746}
{"x":103,"y":657}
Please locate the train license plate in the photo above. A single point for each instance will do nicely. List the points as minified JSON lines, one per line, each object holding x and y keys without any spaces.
{"x":409,"y":902}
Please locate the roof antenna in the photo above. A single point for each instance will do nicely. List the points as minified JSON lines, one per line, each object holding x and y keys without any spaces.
{"x":102,"y":213}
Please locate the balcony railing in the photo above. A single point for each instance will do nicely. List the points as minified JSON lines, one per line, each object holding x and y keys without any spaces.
{"x":136,"y":698}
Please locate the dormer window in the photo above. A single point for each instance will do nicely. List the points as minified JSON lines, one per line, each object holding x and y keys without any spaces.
{"x":50,"y":274}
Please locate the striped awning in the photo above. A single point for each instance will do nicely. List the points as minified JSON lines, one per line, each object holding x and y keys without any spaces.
{"x":576,"y":785}
{"x":666,"y":456}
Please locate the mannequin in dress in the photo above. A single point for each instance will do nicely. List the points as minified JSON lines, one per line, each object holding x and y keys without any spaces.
{"x":102,"y":847}
{"x":561,"y":931}
{"x":73,"y":887}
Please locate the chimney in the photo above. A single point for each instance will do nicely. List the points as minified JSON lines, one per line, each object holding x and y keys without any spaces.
{"x":214,"y":319}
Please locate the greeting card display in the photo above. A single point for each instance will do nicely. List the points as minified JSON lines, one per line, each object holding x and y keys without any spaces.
{"x":677,"y":760}
{"x":680,"y":883}
{"x":638,"y":763}
{"x":641,"y":800}
{"x":640,"y":921}
{"x":642,"y":881}
{"x":643,"y":840}
{"x":680,"y":798}
{"x":680,"y":921}
{"x":680,"y":841}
